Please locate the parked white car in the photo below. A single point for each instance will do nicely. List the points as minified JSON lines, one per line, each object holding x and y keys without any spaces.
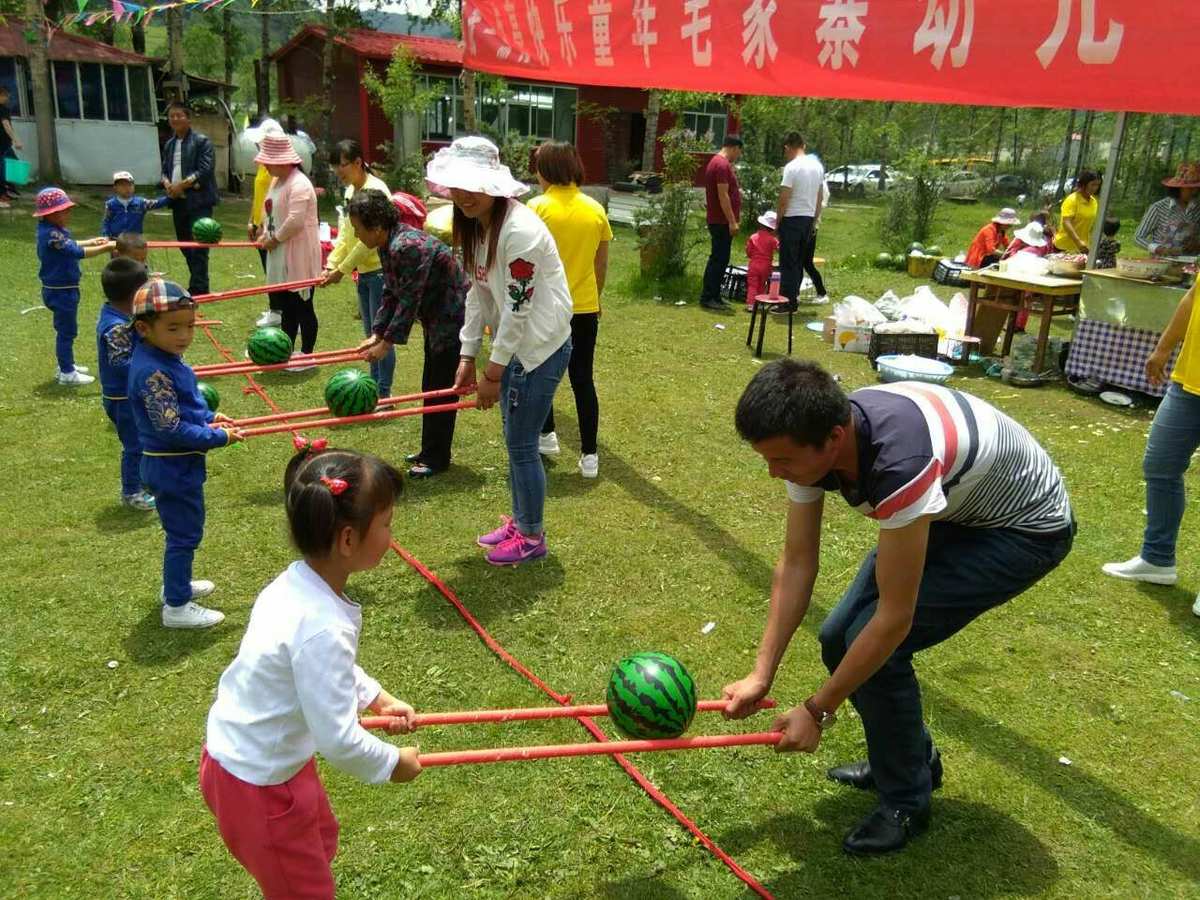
{"x":857,"y":180}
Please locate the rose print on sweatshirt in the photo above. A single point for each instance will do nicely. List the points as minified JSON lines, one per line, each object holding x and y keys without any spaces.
{"x":520,"y":288}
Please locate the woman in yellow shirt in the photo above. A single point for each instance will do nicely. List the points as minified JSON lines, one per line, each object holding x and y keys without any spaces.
{"x":1174,"y":437}
{"x":1079,"y":212}
{"x":581,"y":231}
{"x":262,"y":183}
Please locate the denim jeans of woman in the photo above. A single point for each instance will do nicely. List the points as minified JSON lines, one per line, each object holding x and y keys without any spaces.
{"x":525,"y":399}
{"x":370,"y":293}
{"x":1174,"y":437}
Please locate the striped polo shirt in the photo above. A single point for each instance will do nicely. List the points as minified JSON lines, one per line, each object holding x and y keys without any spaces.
{"x":925,"y":450}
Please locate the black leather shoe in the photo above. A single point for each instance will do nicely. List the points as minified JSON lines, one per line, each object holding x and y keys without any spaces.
{"x":716,"y":306}
{"x":885,"y":830}
{"x":413,"y":458}
{"x":858,"y":775}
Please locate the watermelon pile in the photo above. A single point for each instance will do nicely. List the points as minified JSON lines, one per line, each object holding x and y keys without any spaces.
{"x":351,"y":392}
{"x":883,"y":261}
{"x":651,"y":695}
{"x":211,"y":398}
{"x":206,"y":231}
{"x":268,"y":346}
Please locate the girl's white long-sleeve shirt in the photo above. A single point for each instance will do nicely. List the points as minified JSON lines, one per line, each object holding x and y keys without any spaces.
{"x":523,"y":296}
{"x":295,"y":688}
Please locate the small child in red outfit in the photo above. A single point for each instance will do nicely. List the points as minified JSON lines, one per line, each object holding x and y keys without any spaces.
{"x":760,"y":251}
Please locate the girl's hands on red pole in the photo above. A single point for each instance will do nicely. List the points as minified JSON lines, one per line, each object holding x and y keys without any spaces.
{"x":408,"y":766}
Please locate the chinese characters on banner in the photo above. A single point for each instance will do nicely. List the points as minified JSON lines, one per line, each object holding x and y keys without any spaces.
{"x":1096,"y":54}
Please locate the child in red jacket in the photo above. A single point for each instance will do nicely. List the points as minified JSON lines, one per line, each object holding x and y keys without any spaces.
{"x":760,"y":251}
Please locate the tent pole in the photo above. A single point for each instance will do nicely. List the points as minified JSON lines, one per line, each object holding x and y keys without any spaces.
{"x":1110,"y":177}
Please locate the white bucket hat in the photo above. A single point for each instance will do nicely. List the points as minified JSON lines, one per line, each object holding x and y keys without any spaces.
{"x":472,"y":164}
{"x":1006,"y":216}
{"x":265,"y":127}
{"x":769,"y":219}
{"x":1032,"y":235}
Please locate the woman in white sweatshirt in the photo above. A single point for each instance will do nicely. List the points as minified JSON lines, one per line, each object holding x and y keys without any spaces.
{"x":519,"y":290}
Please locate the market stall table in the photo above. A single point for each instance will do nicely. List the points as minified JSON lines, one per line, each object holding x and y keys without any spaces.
{"x":1043,"y":295}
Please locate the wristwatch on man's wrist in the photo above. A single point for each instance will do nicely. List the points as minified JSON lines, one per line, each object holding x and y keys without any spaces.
{"x":823,"y":718}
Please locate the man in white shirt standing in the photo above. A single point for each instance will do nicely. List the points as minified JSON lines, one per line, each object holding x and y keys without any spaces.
{"x":800,"y":203}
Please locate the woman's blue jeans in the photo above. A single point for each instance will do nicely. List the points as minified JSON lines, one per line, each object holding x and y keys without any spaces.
{"x":525,"y":399}
{"x":370,"y":294}
{"x":1174,"y":437}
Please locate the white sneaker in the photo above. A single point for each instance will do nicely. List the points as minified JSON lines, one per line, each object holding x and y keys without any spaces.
{"x":1196,"y":606}
{"x":269,"y":319}
{"x":548,"y":444}
{"x":301,"y":367}
{"x":589,"y":465}
{"x":200,"y":589}
{"x":84,"y":369}
{"x":75,"y":378}
{"x":1137,"y":569}
{"x":190,"y":615}
{"x":824,"y":298}
{"x":142,"y":500}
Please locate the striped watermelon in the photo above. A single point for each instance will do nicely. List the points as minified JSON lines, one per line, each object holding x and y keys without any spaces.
{"x":268,"y":346}
{"x":651,"y":695}
{"x":206,"y":231}
{"x":351,"y":392}
{"x":211,"y":398}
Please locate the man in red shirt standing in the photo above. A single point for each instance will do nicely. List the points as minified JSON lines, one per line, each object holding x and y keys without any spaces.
{"x":723,"y":199}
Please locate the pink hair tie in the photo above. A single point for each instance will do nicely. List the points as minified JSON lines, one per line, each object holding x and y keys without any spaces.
{"x":304,"y":445}
{"x":337,"y":486}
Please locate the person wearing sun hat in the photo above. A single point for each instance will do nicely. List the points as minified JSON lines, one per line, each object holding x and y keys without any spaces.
{"x":992,"y":239}
{"x":519,"y":289}
{"x":1171,"y":226}
{"x":176,"y":430}
{"x":58,"y":270}
{"x":291,"y":238}
{"x":760,"y":255}
{"x":1030,"y":239}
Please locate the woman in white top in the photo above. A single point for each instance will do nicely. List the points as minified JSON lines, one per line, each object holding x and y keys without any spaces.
{"x":519,"y":290}
{"x":295,"y":688}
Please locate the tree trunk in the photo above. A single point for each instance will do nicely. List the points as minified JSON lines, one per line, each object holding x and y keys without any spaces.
{"x":883,"y":154}
{"x":175,"y":52}
{"x":138,"y":33}
{"x":1016,"y":156}
{"x":653,"y":105}
{"x":469,"y":123}
{"x":326,"y":172}
{"x":999,"y":144}
{"x":1066,"y":160}
{"x":1171,"y":144}
{"x":1085,"y":144}
{"x":227,"y":52}
{"x":43,"y":99}
{"x":263,"y":68}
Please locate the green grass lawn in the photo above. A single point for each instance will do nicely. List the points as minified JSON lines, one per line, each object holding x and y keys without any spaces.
{"x":102,"y":711}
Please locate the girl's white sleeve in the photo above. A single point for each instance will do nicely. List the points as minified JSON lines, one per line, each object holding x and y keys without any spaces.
{"x":471,"y":334}
{"x":365,"y":687}
{"x":522,"y":258}
{"x":328,"y":687}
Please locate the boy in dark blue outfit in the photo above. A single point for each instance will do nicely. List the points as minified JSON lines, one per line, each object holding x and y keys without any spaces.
{"x":176,"y":429}
{"x":124,"y":210}
{"x":115,"y":338}
{"x":59,"y":256}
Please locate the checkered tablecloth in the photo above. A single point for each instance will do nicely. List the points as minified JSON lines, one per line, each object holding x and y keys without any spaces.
{"x":1115,"y":355}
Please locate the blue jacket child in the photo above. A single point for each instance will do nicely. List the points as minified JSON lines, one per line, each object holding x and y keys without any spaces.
{"x":124,"y":211}
{"x":176,"y":430}
{"x":115,"y":339}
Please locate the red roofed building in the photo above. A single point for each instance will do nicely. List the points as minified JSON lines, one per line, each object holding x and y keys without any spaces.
{"x":540,"y":110}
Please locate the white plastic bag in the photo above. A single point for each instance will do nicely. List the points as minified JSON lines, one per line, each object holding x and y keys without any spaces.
{"x":957,"y":317}
{"x":926,"y":307}
{"x":857,"y":311}
{"x":889,"y":305}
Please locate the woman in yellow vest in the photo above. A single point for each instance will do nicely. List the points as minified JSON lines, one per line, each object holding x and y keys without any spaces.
{"x":580,"y":228}
{"x":1174,"y":437}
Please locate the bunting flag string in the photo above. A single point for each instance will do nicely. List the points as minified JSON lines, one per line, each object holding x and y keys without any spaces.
{"x":134,"y":13}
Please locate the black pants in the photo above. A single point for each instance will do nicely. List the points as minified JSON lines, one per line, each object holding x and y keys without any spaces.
{"x":437,"y":431}
{"x":795,"y":235}
{"x":810,"y":267}
{"x":298,"y":315}
{"x":584,"y":328}
{"x":5,"y":187}
{"x":718,"y":262}
{"x":197,"y":260}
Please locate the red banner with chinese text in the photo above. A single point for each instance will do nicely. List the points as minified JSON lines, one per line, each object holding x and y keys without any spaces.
{"x":1139,"y":56}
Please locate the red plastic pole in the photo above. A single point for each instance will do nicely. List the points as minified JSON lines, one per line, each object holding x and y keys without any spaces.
{"x":554,"y":751}
{"x":323,"y":410}
{"x":526,"y":714}
{"x":197,"y":245}
{"x":259,"y":289}
{"x":312,"y":359}
{"x":355,"y":420}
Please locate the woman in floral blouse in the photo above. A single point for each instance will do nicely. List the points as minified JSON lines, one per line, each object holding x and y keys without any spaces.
{"x":421,"y":281}
{"x":519,"y":289}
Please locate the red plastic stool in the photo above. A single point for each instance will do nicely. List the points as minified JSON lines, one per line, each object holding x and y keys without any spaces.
{"x":761,"y":304}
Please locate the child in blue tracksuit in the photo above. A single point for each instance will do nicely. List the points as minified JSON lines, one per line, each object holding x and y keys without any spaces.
{"x":115,"y":337}
{"x":175,"y":429}
{"x":58,"y":258}
{"x":124,"y":211}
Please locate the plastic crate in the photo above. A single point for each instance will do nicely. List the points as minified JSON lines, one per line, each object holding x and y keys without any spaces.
{"x":922,"y":266}
{"x":902,"y":345}
{"x":949,"y":272}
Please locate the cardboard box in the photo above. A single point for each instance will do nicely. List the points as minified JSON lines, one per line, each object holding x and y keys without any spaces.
{"x":830,"y":325}
{"x":852,"y":338}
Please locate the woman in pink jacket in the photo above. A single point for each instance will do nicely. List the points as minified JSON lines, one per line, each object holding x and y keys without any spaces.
{"x":291,"y":238}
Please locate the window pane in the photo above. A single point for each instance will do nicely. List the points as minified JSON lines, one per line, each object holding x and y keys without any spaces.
{"x":564,"y":115}
{"x":518,"y":118}
{"x":66,"y":90}
{"x":139,"y":94}
{"x":93,"y":90}
{"x":114,"y":91}
{"x":29,"y":108}
{"x":718,"y":130}
{"x":545,"y":124}
{"x":8,"y":78}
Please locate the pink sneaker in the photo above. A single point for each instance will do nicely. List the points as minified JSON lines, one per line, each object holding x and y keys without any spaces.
{"x":494,"y":538}
{"x":517,"y":549}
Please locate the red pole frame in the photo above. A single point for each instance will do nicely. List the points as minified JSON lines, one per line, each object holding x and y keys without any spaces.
{"x":354,"y":420}
{"x":555,"y":751}
{"x":199,"y":245}
{"x":259,"y":289}
{"x":313,"y":359}
{"x":323,"y":410}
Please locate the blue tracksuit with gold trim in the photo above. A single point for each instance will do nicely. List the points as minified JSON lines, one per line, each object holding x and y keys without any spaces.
{"x":173,"y":427}
{"x":115,"y":339}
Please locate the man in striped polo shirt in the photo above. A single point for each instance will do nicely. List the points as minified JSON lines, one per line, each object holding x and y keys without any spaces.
{"x":971,"y":513}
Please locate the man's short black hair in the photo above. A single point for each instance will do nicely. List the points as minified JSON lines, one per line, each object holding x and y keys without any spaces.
{"x":121,"y":279}
{"x":1111,"y":227}
{"x":787,"y":398}
{"x":794,"y":139}
{"x":179,"y":104}
{"x":732,"y":140}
